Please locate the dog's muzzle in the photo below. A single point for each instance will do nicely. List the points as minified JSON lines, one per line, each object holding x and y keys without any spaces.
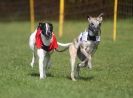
{"x":48,"y":35}
{"x":94,"y":29}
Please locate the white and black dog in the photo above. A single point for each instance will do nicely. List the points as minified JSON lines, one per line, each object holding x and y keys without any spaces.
{"x":44,"y":41}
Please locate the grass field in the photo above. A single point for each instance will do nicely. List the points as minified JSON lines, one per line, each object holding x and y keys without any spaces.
{"x":110,"y":77}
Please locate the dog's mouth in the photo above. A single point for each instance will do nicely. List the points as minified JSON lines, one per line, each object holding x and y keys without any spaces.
{"x":47,"y":34}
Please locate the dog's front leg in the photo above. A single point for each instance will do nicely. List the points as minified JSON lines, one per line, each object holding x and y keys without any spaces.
{"x":85,"y":54}
{"x":89,"y":65}
{"x":41,"y":55}
{"x":82,"y":64}
{"x":88,"y":61}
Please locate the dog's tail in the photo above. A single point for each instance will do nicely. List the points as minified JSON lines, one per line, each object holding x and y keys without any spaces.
{"x":64,"y":45}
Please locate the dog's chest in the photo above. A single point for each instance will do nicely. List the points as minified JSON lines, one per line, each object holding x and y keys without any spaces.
{"x":88,"y":36}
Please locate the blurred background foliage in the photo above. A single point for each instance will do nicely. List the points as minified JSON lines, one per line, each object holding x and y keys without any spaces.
{"x":19,"y":10}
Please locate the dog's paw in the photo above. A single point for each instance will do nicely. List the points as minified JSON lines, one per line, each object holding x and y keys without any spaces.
{"x":89,"y":66}
{"x":31,"y":64}
{"x":74,"y":79}
{"x":42,"y":77}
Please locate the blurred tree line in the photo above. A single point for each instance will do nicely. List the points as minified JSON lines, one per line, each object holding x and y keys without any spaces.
{"x":74,"y":9}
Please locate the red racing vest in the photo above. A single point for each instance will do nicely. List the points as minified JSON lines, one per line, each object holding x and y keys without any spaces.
{"x":39,"y":42}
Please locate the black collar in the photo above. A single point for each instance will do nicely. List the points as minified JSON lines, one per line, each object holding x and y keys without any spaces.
{"x":93,"y":37}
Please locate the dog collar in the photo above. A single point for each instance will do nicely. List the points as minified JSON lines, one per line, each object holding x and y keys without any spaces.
{"x":94,"y":37}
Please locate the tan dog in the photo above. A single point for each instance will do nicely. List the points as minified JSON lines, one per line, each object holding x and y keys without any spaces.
{"x":85,"y":45}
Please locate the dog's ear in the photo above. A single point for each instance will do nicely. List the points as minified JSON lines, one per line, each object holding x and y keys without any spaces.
{"x":40,"y":24}
{"x":89,"y":18}
{"x":100,"y":17}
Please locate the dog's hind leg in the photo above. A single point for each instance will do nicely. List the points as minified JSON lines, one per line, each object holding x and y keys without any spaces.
{"x":73,"y":54}
{"x":32,"y":47}
{"x":33,"y":59}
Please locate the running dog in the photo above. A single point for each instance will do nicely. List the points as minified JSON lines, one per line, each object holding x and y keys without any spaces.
{"x":44,"y":41}
{"x":85,"y":45}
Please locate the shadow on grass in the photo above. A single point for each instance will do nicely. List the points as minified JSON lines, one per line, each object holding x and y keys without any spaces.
{"x":37,"y":75}
{"x":86,"y":78}
{"x":83,"y":78}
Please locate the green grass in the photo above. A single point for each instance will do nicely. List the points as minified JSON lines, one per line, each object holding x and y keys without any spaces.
{"x":111,"y":76}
